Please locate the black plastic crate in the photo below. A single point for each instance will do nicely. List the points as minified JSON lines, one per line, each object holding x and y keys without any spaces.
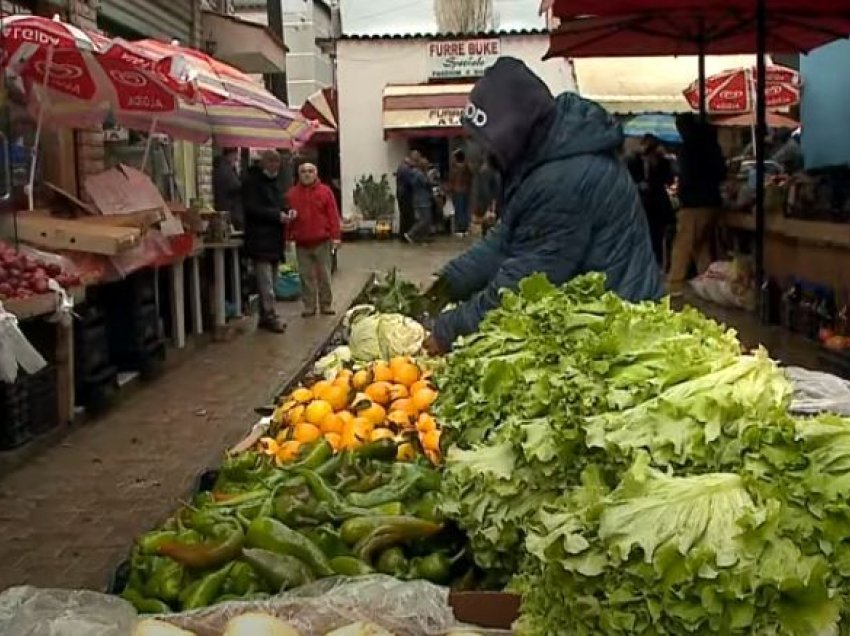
{"x":44,"y":400}
{"x":29,"y":407}
{"x":97,"y":390}
{"x":91,"y":349}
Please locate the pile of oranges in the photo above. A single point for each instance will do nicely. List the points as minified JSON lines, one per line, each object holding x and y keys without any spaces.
{"x":386,"y":400}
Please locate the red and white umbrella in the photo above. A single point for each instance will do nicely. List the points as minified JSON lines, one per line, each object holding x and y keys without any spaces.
{"x":733,"y":92}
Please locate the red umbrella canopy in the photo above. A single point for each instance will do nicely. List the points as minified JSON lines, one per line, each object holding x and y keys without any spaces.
{"x":575,"y":8}
{"x":732,"y":91}
{"x":717,"y":30}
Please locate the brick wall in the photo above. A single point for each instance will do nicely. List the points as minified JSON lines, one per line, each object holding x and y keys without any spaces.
{"x":90,"y":150}
{"x":203,"y":153}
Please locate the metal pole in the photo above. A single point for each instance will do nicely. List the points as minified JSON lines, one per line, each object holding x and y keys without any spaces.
{"x":761,"y":134}
{"x":703,"y":97}
{"x":148,"y":144}
{"x":39,"y":125}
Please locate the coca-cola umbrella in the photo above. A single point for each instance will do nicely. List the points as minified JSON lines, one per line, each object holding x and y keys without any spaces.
{"x":70,"y":81}
{"x":231,"y":109}
{"x":732,"y":92}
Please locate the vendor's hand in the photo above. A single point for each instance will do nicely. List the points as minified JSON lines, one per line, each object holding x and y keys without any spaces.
{"x":490,"y":217}
{"x":434,"y":347}
{"x":337,"y":243}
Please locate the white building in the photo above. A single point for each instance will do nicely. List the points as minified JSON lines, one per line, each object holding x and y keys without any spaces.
{"x":398,"y":91}
{"x":306,"y":24}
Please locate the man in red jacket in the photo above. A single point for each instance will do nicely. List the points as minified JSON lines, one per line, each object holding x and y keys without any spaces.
{"x":315,"y":229}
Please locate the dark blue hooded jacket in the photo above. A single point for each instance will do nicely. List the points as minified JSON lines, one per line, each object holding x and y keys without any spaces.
{"x":570,"y":205}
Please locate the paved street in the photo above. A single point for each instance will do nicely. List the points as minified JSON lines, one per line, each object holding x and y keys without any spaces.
{"x":70,"y":515}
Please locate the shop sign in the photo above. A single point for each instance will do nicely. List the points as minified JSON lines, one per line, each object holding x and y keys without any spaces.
{"x":449,"y":59}
{"x":444,"y":117}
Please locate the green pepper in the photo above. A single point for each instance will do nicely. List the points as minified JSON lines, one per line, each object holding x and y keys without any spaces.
{"x":149,"y":543}
{"x":350,"y":566}
{"x":331,"y":466}
{"x":221,"y":499}
{"x":209,"y":554}
{"x":392,"y":508}
{"x":357,"y":529}
{"x":428,"y":507}
{"x":392,"y":562}
{"x":328,"y":540}
{"x":382,"y":450}
{"x":436,"y":567}
{"x":315,"y":456}
{"x":429,"y":479}
{"x":281,"y":571}
{"x":143,"y":604}
{"x":388,"y":535}
{"x":336,"y":505}
{"x":396,"y":490}
{"x":204,"y":591}
{"x":269,"y":534}
{"x":165,"y":580}
{"x":367,"y":482}
{"x":243,"y":579}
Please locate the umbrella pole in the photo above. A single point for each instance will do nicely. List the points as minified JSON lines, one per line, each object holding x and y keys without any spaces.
{"x":38,"y":127}
{"x":761,"y":133}
{"x":148,"y":143}
{"x":703,"y":97}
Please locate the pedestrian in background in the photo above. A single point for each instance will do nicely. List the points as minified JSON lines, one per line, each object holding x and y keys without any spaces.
{"x":487,"y":196}
{"x":404,"y":191}
{"x":315,"y":230}
{"x":702,"y":169}
{"x":653,"y":173}
{"x":422,"y":198}
{"x":264,"y":223}
{"x":460,"y":184}
{"x":227,"y":187}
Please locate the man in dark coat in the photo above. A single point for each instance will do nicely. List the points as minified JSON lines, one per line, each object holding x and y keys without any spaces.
{"x":702,"y":170}
{"x":570,"y":206}
{"x":404,"y":191}
{"x":227,"y":187}
{"x":653,"y":173}
{"x":264,"y":224}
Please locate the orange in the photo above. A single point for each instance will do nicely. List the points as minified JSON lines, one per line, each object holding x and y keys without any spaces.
{"x":343,"y":379}
{"x":424,"y":398}
{"x":399,"y":418}
{"x":381,"y":433}
{"x":335,"y":440}
{"x":379,"y":392}
{"x":302,"y":395}
{"x":345,"y":416}
{"x":382,"y":372}
{"x":375,"y":414}
{"x":333,"y":423}
{"x":288,"y":451}
{"x":355,"y":433}
{"x":405,"y":406}
{"x":418,"y":386}
{"x":406,"y":452}
{"x":283,"y":436}
{"x":306,"y":433}
{"x":317,"y":411}
{"x":320,"y":387}
{"x":362,"y":379}
{"x":406,"y":374}
{"x":399,"y":361}
{"x":295,"y":415}
{"x":336,"y":396}
{"x":363,"y":427}
{"x":430,"y":441}
{"x":426,"y":423}
{"x":398,"y":391}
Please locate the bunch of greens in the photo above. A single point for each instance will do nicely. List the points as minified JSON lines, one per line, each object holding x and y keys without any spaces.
{"x":392,"y":294}
{"x":637,"y":474}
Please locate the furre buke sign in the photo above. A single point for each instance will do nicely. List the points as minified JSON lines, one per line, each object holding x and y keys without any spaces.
{"x":461,"y":58}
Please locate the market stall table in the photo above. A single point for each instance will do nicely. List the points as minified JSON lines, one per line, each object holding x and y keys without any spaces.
{"x":219,"y":301}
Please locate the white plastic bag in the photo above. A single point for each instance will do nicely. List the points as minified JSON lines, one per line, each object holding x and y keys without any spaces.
{"x":15,"y":350}
{"x":726,"y":283}
{"x":448,"y":209}
{"x":816,"y":392}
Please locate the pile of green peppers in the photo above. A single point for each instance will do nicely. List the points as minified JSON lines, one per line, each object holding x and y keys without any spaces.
{"x":263,"y":529}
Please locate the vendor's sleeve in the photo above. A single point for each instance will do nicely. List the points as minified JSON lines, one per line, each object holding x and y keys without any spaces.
{"x":471,"y":271}
{"x":552,"y":240}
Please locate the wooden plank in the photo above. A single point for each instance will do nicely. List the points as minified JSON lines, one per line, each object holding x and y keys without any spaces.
{"x":219,"y":298}
{"x":236,"y":281}
{"x":65,"y":372}
{"x":812,"y":232}
{"x":41,"y":305}
{"x":65,"y":234}
{"x":178,"y":307}
{"x":195,"y":296}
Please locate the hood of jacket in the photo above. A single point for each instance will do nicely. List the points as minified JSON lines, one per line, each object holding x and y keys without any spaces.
{"x":257,"y":172}
{"x":516,"y":119}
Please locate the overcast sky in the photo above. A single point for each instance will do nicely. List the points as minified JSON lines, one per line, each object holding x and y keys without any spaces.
{"x":362,"y":17}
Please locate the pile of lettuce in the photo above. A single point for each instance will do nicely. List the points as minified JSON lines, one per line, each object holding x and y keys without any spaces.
{"x":629,"y":470}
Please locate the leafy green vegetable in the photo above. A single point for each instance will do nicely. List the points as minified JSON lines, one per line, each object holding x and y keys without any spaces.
{"x":392,"y":294}
{"x":375,"y":336}
{"x":631,"y":472}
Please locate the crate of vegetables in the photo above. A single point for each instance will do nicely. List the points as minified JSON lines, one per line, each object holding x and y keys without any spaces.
{"x":25,"y":273}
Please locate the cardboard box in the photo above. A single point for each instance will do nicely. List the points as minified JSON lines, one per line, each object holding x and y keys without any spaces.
{"x":75,"y":235}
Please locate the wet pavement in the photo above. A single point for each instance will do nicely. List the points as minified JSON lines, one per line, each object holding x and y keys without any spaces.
{"x":69,"y":515}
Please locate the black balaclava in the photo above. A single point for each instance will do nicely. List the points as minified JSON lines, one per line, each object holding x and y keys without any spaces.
{"x":507,"y":110}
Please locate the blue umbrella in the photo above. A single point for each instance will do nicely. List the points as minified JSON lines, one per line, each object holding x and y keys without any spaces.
{"x":660,"y":125}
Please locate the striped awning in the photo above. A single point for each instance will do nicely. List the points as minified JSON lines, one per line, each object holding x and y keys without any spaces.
{"x":424,"y":109}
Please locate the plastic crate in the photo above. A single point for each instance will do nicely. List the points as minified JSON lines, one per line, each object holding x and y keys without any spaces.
{"x":29,"y":407}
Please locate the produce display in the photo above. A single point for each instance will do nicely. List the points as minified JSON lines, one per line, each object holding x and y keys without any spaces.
{"x":392,"y":294}
{"x":264,"y":528}
{"x":23,"y":276}
{"x":629,"y":471}
{"x":380,"y":401}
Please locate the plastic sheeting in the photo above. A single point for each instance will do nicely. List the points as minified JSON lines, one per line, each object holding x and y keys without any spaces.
{"x":415,"y":608}
{"x":817,"y":392}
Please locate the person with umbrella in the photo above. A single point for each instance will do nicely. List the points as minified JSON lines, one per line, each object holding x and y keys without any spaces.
{"x":570,"y":205}
{"x":653,"y":173}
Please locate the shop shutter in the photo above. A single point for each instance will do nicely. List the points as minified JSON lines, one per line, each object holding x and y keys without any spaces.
{"x":163,"y":19}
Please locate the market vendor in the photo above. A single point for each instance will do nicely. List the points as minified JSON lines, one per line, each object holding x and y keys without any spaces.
{"x":570,"y":205}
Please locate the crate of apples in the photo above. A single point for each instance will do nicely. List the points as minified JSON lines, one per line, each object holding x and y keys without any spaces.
{"x":22,"y":276}
{"x":385,"y":400}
